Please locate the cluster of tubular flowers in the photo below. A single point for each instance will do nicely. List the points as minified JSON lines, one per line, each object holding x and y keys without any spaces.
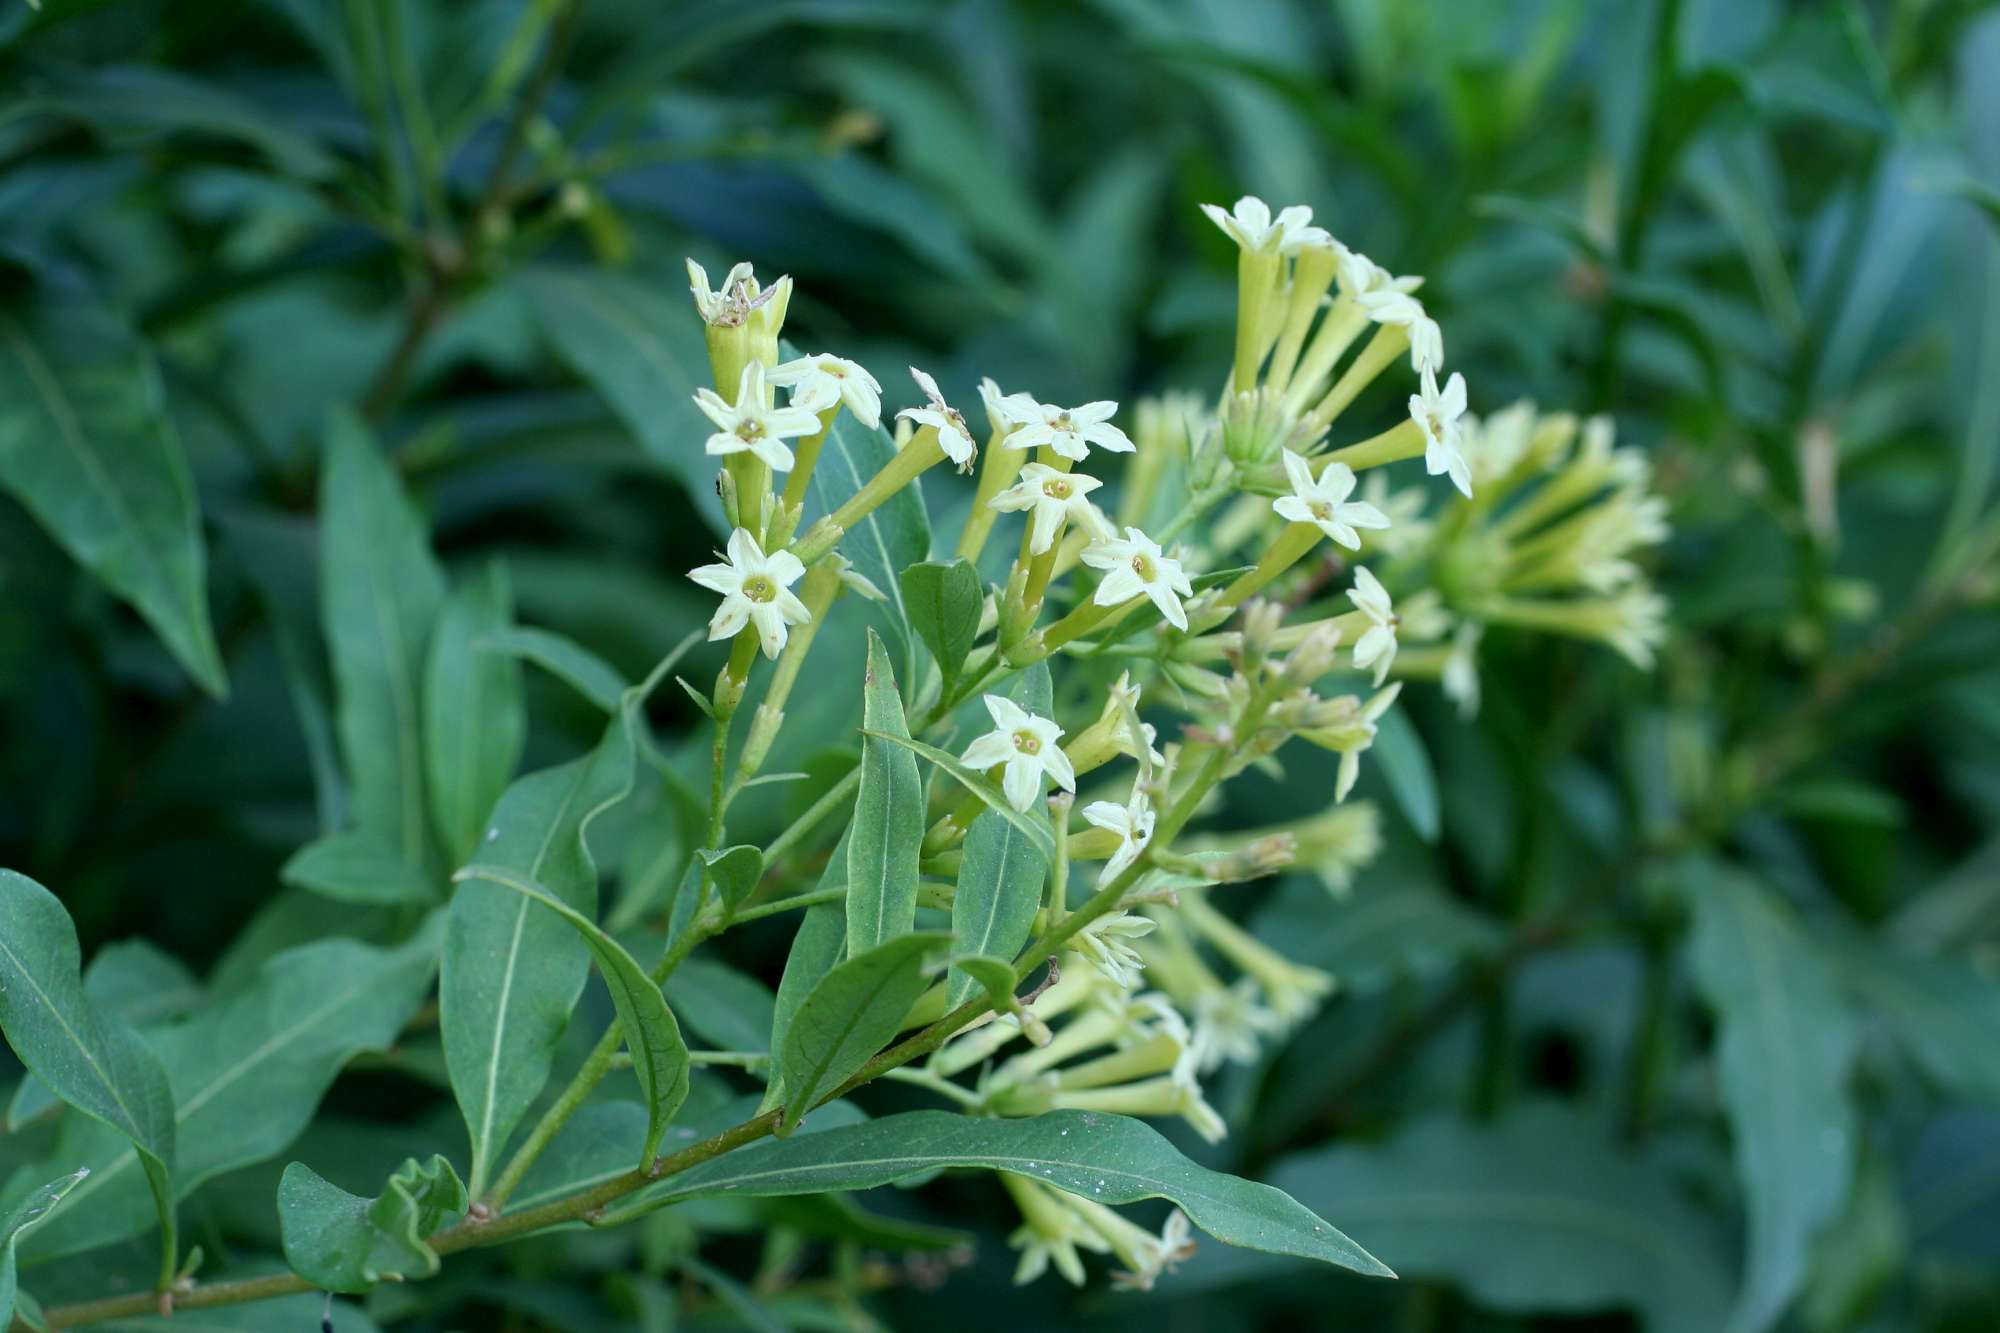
{"x":1242,"y":576}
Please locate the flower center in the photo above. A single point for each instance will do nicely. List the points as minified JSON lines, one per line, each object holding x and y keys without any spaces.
{"x":1321,"y":510}
{"x":750,"y":430}
{"x":1056,"y":489}
{"x":1142,"y":565}
{"x":1063,"y":423}
{"x":759,"y":588}
{"x":833,"y":370}
{"x":1027,"y":742}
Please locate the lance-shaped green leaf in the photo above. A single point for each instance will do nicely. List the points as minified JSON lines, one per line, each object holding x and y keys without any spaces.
{"x":1035,"y":829}
{"x":730,"y":1010}
{"x":856,"y":1009}
{"x":1942,"y":1009}
{"x":1107,"y":1158}
{"x":356,"y":866}
{"x":659,"y":1056}
{"x":88,"y":1059}
{"x":816,"y":950}
{"x":1406,"y":764}
{"x":513,"y":969}
{"x":888,"y":829}
{"x":1785,"y":1045}
{"x":134,"y":982}
{"x":943,"y":601}
{"x":87,"y":445}
{"x":248,"y":1074}
{"x":31,"y":1210}
{"x":1001,"y":872}
{"x":341,"y":1242}
{"x":380,"y":590}
{"x":564,"y":658}
{"x":474,"y":719}
{"x":1539,"y":1212}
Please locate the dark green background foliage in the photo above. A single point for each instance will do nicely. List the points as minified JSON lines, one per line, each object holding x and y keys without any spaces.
{"x":1673,"y":1004}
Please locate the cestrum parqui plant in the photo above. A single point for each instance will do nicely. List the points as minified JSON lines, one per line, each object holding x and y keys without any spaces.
{"x":1012,"y":905}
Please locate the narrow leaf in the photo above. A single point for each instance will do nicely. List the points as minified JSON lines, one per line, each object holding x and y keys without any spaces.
{"x":88,"y":1059}
{"x":380,"y":590}
{"x":892,"y":538}
{"x":1036,"y":830}
{"x":856,"y":1009}
{"x":356,"y":866}
{"x":816,"y":949}
{"x":31,"y":1210}
{"x":1784,"y":1048}
{"x":1406,"y":764}
{"x":564,"y":658}
{"x":888,"y":829}
{"x":340,"y":1242}
{"x":1107,"y":1158}
{"x":1000,"y":881}
{"x":659,"y":1056}
{"x":474,"y":719}
{"x":87,"y":445}
{"x":730,"y":1010}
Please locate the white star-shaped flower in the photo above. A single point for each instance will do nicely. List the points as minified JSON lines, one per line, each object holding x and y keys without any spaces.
{"x":1251,"y":226}
{"x":1437,"y":414}
{"x":755,"y":591}
{"x":1323,"y":501}
{"x":1052,"y":496}
{"x":1026,"y":745}
{"x":1350,"y":754}
{"x":941,"y":416}
{"x":818,"y":382}
{"x":1003,"y":410}
{"x":720,"y":307}
{"x":1134,"y":565}
{"x":1070,"y":431}
{"x":1132,"y":822}
{"x":1377,"y":645}
{"x":1461,"y":669}
{"x":747,"y":426}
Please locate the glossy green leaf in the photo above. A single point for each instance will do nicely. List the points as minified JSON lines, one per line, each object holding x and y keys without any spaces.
{"x":888,"y":828}
{"x":87,"y":445}
{"x":380,"y":592}
{"x":513,"y":969}
{"x":357,"y":866}
{"x":856,"y":1009}
{"x":652,"y":1037}
{"x":1539,"y":1212}
{"x":565,"y":659}
{"x":474,"y":719}
{"x":31,"y":1210}
{"x":1785,"y":1045}
{"x":89,"y":1059}
{"x":248,"y":1074}
{"x":1107,"y":1158}
{"x":340,"y":1242}
{"x":1036,"y":830}
{"x":943,"y":603}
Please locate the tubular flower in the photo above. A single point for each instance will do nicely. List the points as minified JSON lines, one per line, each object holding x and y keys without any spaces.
{"x":1323,"y":502}
{"x":1133,"y":825}
{"x":818,"y":382}
{"x":1134,"y":565}
{"x":748,"y":426}
{"x":953,"y":436}
{"x":1069,"y":431}
{"x":1436,"y":414}
{"x":1051,"y":497}
{"x":1377,"y":645}
{"x":1251,"y":226}
{"x":1026,"y":746}
{"x":755,"y":591}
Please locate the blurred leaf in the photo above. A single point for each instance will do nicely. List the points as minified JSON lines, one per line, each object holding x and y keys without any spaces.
{"x":640,"y":347}
{"x":357,"y":867}
{"x":1862,"y":1252}
{"x":1941,"y":1010}
{"x":1406,"y":764}
{"x":339,"y":1242}
{"x":380,"y":592}
{"x":854,"y":1011}
{"x":87,"y":446}
{"x":1383,"y":930}
{"x":728,"y":1009}
{"x":474,"y":718}
{"x":888,"y":827}
{"x":1538,"y":1212}
{"x":1105,"y":1158}
{"x":1785,"y":1045}
{"x":38,"y":1205}
{"x":91,"y":1060}
{"x":565,"y":659}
